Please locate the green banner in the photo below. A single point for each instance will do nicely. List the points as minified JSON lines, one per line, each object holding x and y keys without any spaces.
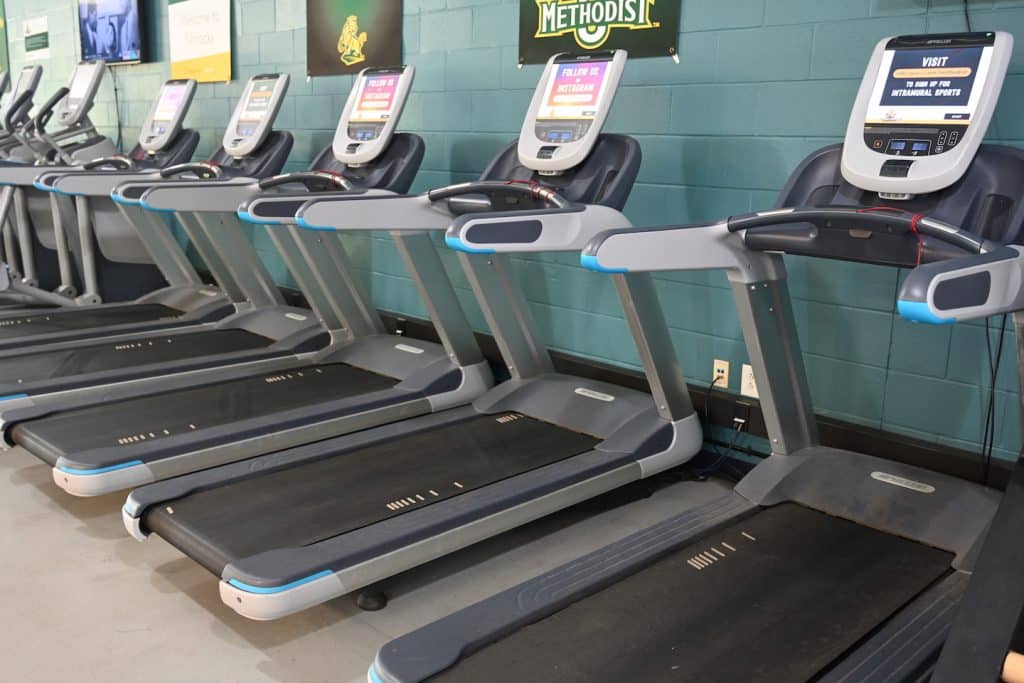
{"x":644,"y":28}
{"x":346,"y":36}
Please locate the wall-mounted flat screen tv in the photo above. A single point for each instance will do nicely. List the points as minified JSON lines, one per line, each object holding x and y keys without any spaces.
{"x":111,"y":30}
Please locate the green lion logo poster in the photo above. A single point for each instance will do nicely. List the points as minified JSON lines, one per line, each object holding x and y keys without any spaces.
{"x":645,"y":28}
{"x":346,"y":36}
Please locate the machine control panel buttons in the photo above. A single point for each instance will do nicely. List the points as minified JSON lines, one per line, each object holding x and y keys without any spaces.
{"x":912,"y":141}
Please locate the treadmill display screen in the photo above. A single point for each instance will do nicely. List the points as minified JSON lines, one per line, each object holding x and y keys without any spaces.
{"x":924,"y":98}
{"x":257,"y":106}
{"x":572,"y":99}
{"x":171,"y":101}
{"x":24,"y":80}
{"x":80,"y":83}
{"x":375,"y":105}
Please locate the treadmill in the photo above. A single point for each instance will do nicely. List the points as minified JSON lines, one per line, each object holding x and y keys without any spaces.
{"x":16,"y":116}
{"x":363,"y":378}
{"x":185,"y":300}
{"x":295,"y":528}
{"x":104,"y":252}
{"x":45,"y":273}
{"x":822,"y":564}
{"x":72,"y":373}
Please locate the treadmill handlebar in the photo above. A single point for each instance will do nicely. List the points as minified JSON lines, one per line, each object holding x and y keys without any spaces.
{"x":117,"y":162}
{"x":567,"y":228}
{"x":314,"y":181}
{"x":873,"y":219}
{"x":45,"y":112}
{"x":204,"y":169}
{"x":14,"y":115}
{"x":970,"y":287}
{"x":501,"y":193}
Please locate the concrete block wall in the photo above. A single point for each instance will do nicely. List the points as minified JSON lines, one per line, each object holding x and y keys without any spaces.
{"x":761,"y":83}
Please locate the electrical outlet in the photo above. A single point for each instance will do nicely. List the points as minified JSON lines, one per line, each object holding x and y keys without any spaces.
{"x":748,"y":385}
{"x":720,"y":374}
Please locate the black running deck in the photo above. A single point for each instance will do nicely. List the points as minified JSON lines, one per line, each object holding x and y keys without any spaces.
{"x":195,"y":411}
{"x":16,"y":372}
{"x":313,"y":502}
{"x":776,"y":597}
{"x":68,"y":319}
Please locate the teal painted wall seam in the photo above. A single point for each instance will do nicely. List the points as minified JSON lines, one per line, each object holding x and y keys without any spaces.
{"x":761,"y":83}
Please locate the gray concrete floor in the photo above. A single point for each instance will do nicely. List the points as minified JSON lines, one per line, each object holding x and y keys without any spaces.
{"x":83,"y":602}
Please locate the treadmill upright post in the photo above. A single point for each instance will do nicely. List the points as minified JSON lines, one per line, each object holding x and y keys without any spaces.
{"x":769,"y":332}
{"x":28,"y":259}
{"x":211,"y":257}
{"x":508,"y":314}
{"x":240,"y":258}
{"x":90,"y":279}
{"x":60,"y":238}
{"x":305,"y":265}
{"x":423,"y":263}
{"x":647,"y":323}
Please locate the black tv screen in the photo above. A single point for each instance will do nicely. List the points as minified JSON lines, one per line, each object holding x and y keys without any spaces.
{"x":110,"y":30}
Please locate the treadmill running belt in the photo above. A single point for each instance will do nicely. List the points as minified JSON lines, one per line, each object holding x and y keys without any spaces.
{"x":64,"y":319}
{"x":776,"y":597}
{"x":312,"y":502}
{"x":172,"y":413}
{"x":99,"y":356}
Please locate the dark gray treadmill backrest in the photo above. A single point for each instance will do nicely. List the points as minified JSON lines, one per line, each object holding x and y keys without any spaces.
{"x":393,"y":170}
{"x":606,"y":177}
{"x":268,"y":159}
{"x":988,"y":201}
{"x":178,"y":151}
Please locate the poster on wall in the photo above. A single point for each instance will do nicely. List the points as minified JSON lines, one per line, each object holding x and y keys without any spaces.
{"x":200,"y":39}
{"x":37,"y":37}
{"x":644,"y":28}
{"x":346,"y":36}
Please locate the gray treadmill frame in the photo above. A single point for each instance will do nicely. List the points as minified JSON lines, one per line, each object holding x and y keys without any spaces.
{"x":321,"y":267}
{"x":624,"y":419}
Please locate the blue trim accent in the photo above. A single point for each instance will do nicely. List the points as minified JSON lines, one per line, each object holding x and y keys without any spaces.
{"x":149,"y":207}
{"x":374,"y":676}
{"x":100,"y":470}
{"x":249,"y":218}
{"x":458,"y":245}
{"x":118,"y":199}
{"x":260,"y":590}
{"x":11,"y":397}
{"x":921,"y":312}
{"x":589,"y":261}
{"x":301,"y":222}
{"x":45,"y":188}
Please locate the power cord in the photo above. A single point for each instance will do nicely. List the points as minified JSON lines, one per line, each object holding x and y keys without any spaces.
{"x":988,"y":438}
{"x":117,"y":110}
{"x":967,"y":16}
{"x":738,"y":423}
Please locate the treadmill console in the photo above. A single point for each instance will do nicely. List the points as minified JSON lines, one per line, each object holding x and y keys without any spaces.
{"x":28,"y":79}
{"x":254,"y":115}
{"x":922,"y":110}
{"x":166,"y":115}
{"x":85,"y":81}
{"x":568,"y":110}
{"x":373,"y":109}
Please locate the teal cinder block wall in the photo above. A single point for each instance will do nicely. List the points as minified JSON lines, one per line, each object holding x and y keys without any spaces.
{"x":761,"y":84}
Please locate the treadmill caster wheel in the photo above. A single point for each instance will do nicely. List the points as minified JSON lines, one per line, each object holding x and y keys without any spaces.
{"x":371,"y":601}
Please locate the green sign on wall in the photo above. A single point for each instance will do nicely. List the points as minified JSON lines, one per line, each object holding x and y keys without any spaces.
{"x":346,"y":36}
{"x":645,"y":28}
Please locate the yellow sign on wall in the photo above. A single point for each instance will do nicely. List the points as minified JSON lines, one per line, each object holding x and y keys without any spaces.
{"x":200,"y":39}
